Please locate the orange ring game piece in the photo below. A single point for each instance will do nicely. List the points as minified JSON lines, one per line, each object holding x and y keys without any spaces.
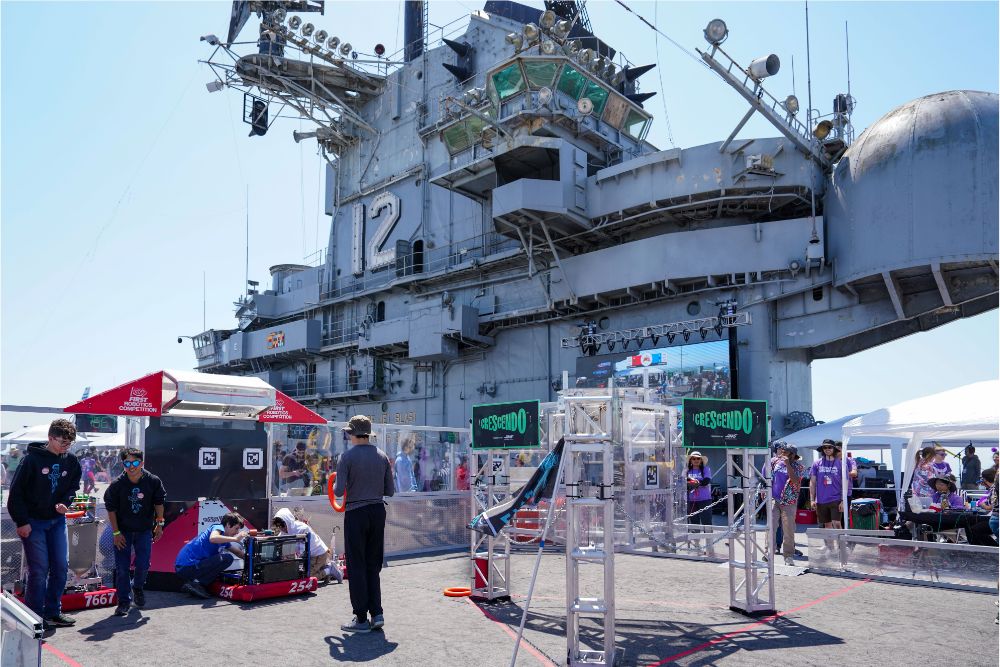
{"x":458,"y":592}
{"x":337,"y":507}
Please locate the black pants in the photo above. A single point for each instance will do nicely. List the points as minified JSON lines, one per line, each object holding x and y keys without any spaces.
{"x":364,"y":536}
{"x":701,"y":516}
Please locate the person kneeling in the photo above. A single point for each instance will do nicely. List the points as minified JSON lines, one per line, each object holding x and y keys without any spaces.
{"x":319,"y":554}
{"x":205,"y":557}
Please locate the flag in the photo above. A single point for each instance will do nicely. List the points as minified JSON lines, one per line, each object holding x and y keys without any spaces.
{"x":541,"y":486}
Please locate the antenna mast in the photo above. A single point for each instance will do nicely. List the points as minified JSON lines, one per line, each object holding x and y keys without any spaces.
{"x":847,"y":44}
{"x":809,"y":85}
{"x":247,"y":270}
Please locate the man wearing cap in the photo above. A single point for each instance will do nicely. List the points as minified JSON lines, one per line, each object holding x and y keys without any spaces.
{"x":826,"y":485}
{"x":365,"y":475}
{"x":786,"y":475}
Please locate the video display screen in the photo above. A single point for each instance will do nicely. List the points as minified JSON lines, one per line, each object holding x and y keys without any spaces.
{"x":695,"y":370}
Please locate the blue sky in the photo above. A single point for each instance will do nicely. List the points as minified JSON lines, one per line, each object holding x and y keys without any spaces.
{"x":124,"y":181}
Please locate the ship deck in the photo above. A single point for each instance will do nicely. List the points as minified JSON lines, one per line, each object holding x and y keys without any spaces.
{"x":669,"y":611}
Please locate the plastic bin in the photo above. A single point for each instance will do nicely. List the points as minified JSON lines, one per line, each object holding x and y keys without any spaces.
{"x":805,"y":517}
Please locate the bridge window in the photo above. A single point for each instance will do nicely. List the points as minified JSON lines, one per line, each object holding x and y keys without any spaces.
{"x":457,"y":138}
{"x":635,"y":124}
{"x":508,"y":81}
{"x":598,"y":94}
{"x":572,"y":82}
{"x":540,"y":73}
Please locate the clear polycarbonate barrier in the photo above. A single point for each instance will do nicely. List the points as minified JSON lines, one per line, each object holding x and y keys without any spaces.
{"x":425,"y":459}
{"x":875,"y":554}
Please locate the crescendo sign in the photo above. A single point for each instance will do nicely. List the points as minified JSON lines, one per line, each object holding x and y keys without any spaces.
{"x":505,"y":425}
{"x":725,"y":424}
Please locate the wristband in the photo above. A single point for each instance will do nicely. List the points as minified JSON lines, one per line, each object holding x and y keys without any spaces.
{"x":160,"y":522}
{"x":117,"y":533}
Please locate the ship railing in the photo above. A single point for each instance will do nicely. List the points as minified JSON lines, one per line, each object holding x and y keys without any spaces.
{"x":313,"y":385}
{"x":434,"y":260}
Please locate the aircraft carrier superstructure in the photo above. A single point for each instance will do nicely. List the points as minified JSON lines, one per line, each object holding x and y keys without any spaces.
{"x":497,"y":214}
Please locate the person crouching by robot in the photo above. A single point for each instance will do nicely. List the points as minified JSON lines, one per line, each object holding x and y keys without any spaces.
{"x":135,"y":511}
{"x":319,"y":554}
{"x":205,"y":557}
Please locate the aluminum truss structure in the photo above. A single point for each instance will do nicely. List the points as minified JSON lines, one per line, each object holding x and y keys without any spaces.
{"x":490,"y":555}
{"x":594,"y":339}
{"x":591,"y":431}
{"x":751,"y":557}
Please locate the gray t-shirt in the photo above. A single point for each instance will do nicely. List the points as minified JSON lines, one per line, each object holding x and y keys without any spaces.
{"x":365,"y":474}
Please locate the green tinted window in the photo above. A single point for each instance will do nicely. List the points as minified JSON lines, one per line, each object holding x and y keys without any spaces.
{"x":475,"y":126}
{"x":540,"y":74}
{"x":508,"y":81}
{"x":598,"y":95}
{"x":572,"y":82}
{"x":635,"y":124}
{"x":457,"y":137}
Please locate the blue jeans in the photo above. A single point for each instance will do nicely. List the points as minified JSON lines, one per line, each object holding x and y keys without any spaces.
{"x":143,"y":545}
{"x":994,"y":524}
{"x":46,"y":555}
{"x":207,"y":570}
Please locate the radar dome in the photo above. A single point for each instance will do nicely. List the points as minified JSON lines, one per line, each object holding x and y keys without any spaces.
{"x":917,"y":188}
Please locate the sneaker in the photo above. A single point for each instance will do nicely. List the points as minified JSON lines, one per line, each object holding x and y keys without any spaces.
{"x":122,"y":610}
{"x":139,"y":597}
{"x":799,"y":554}
{"x":195,"y":589}
{"x":59,"y":621}
{"x":378,"y":622}
{"x":789,"y":560}
{"x":356,"y":625}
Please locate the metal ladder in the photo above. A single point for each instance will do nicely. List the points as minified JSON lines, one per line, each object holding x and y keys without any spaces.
{"x":589,"y":441}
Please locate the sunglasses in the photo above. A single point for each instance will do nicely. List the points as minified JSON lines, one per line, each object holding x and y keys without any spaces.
{"x":132,"y":464}
{"x":940,"y":453}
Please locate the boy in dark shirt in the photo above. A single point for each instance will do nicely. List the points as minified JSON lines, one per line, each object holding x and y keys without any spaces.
{"x":40,"y":494}
{"x":365,"y":475}
{"x":132,"y":500}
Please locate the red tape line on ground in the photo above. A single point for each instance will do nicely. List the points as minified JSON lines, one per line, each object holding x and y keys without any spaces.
{"x":59,"y":654}
{"x":763,"y":621}
{"x":513,"y":635}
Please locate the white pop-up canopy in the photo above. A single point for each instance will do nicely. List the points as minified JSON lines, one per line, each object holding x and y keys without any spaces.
{"x":812,"y":437}
{"x":969,"y":412}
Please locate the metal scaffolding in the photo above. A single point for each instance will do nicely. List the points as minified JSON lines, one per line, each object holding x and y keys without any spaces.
{"x":751,"y":558}
{"x":490,"y":555}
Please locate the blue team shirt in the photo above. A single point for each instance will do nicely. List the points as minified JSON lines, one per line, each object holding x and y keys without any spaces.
{"x":199,"y":548}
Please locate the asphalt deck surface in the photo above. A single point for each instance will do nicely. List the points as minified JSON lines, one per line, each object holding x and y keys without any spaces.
{"x":670,"y":611}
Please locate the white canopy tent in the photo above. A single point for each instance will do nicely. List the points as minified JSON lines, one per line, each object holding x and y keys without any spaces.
{"x":812,"y":437}
{"x":22,"y":437}
{"x":972,"y":412}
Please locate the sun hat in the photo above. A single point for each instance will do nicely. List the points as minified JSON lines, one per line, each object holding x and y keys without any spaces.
{"x":947,"y":479}
{"x":359,"y":426}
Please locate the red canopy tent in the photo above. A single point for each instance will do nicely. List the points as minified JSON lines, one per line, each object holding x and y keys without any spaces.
{"x":187,"y":393}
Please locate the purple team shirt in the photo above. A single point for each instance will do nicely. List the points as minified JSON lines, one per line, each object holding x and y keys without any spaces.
{"x":954,"y":500}
{"x":828,"y":480}
{"x":700,"y":492}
